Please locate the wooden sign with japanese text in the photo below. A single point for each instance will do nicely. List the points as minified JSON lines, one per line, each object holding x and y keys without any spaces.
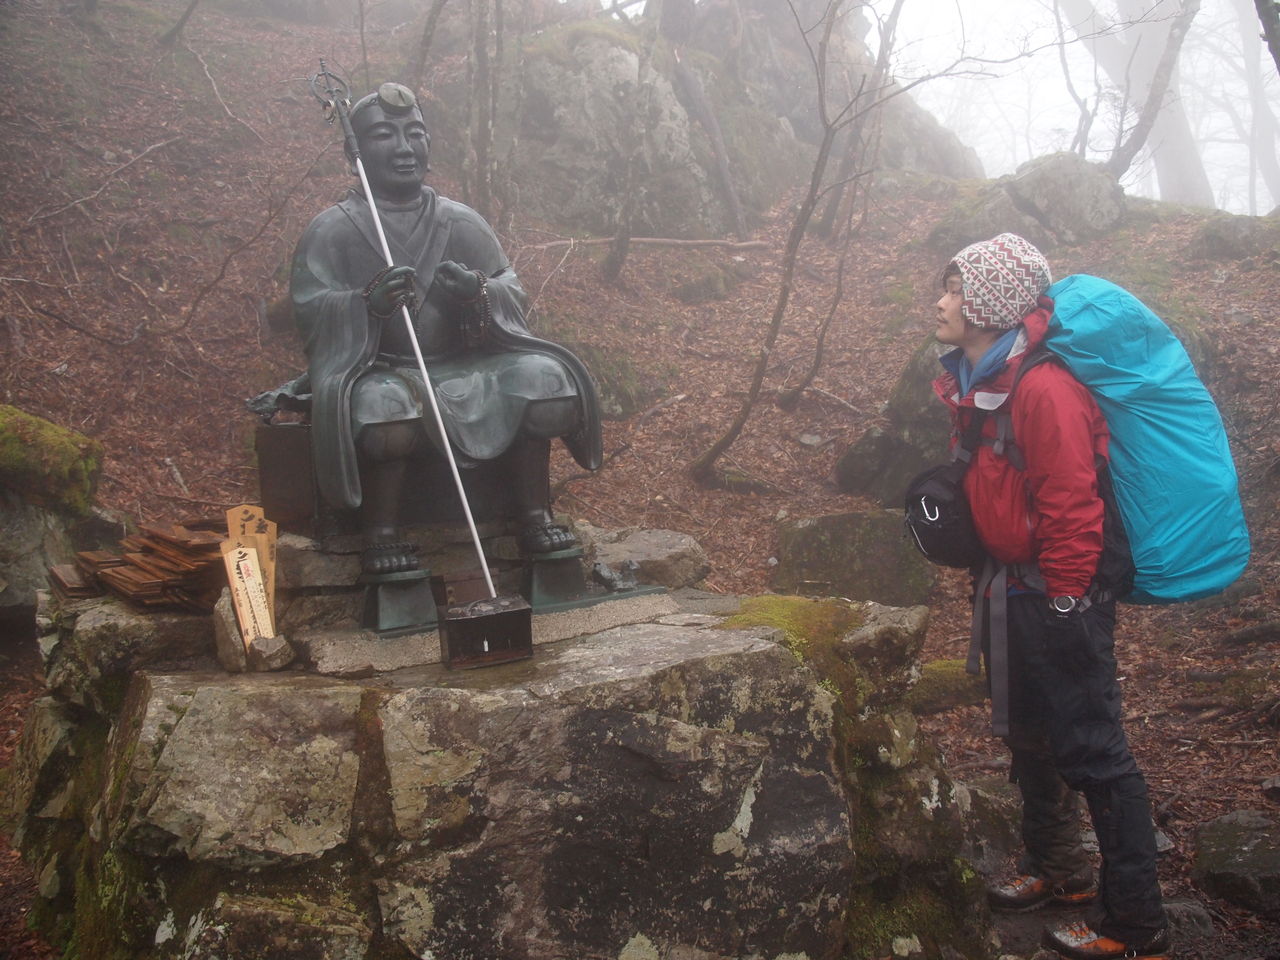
{"x":248,"y":523}
{"x":248,"y":593}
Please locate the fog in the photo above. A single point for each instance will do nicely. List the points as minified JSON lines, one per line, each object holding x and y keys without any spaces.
{"x":1017,"y":110}
{"x":1003,"y":88}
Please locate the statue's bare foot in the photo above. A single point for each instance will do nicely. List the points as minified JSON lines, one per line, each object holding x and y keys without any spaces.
{"x":541,"y":537}
{"x":389,"y":557}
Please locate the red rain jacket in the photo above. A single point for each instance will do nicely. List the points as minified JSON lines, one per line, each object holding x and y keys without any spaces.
{"x":1050,"y":513}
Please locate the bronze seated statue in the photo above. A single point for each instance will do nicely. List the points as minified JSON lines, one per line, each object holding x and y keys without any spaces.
{"x":503,"y":393}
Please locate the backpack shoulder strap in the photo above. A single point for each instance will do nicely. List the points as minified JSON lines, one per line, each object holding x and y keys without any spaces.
{"x":970,"y":438}
{"x":1003,"y":442}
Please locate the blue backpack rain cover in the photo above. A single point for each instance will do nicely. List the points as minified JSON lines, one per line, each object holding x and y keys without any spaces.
{"x":1174,"y":479}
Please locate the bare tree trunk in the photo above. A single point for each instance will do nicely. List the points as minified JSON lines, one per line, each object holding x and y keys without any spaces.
{"x":484,"y":98}
{"x":675,"y":22}
{"x":698,"y":106}
{"x":852,"y":155}
{"x":1262,"y":131}
{"x":364,"y":47}
{"x":1175,"y":153}
{"x":1080,"y":142}
{"x":703,"y":469}
{"x":1269,"y":14}
{"x":173,"y":33}
{"x":789,"y":398}
{"x":1122,"y":159}
{"x":635,"y":139}
{"x":417,"y":68}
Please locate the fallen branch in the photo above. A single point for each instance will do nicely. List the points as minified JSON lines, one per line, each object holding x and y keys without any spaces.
{"x":832,"y":396}
{"x":214,"y":84}
{"x":177,"y":475}
{"x":547,"y":279}
{"x":656,"y":407}
{"x":653,"y":242}
{"x":105,"y":183}
{"x":272,"y":213}
{"x":138,"y":288}
{"x":38,"y":283}
{"x":52,"y":315}
{"x":70,"y":259}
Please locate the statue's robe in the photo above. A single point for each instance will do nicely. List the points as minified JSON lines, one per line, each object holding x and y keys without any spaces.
{"x":362,"y":370}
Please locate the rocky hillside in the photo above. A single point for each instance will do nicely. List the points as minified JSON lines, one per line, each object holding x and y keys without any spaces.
{"x":152,"y":197}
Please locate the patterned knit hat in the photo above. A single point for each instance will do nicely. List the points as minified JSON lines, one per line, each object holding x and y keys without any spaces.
{"x":1001,"y":279}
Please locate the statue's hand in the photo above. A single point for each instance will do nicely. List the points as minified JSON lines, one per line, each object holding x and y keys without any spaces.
{"x":457,"y":283}
{"x":392,"y":288}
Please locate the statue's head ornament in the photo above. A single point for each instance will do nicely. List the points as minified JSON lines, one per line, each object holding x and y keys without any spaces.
{"x":395,"y":100}
{"x":390,"y":100}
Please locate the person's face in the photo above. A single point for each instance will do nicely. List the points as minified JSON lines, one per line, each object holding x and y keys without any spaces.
{"x":394,"y":150}
{"x":951,"y":325}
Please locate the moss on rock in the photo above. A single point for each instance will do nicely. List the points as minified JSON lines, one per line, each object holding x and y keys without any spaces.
{"x":812,"y":630}
{"x":46,"y":464}
{"x":913,"y":893}
{"x":944,"y":684}
{"x":923,"y":914}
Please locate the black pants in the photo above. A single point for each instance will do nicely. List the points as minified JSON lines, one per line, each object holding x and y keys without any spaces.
{"x":1065,"y":732}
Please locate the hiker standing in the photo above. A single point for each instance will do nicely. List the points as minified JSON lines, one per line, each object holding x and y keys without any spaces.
{"x":1044,"y":604}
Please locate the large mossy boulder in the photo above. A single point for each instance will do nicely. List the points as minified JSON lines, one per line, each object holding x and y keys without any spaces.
{"x":859,"y":555}
{"x":945,"y":685}
{"x":1237,"y":858}
{"x":101,"y":643}
{"x":684,"y":788}
{"x":881,"y":462}
{"x":912,"y":886}
{"x":588,"y":122}
{"x":48,"y":475}
{"x":670,"y":784}
{"x":1228,"y":237}
{"x":1056,"y":199}
{"x":47,"y":465}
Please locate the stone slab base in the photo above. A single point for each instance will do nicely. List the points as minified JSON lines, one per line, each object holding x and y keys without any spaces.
{"x":347,"y":651}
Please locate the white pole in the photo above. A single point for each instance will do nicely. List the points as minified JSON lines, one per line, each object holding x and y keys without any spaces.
{"x":431,"y":393}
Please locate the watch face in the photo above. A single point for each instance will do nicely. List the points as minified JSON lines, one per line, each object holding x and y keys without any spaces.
{"x":1064,"y":604}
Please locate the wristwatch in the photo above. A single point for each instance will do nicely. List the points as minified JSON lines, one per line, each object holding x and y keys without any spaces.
{"x":1064,"y":606}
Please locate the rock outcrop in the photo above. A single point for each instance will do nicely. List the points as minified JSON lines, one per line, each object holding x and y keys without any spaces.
{"x":602,"y":111}
{"x":1056,"y":199}
{"x":48,"y":475}
{"x":881,"y":462}
{"x":1237,"y":858}
{"x":860,"y":555}
{"x":687,"y":787}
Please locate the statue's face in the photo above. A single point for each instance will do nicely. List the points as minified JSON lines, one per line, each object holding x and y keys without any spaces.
{"x":394,"y":149}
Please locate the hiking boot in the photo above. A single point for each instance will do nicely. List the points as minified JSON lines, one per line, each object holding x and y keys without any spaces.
{"x":1026,"y":891}
{"x":1079,"y":941}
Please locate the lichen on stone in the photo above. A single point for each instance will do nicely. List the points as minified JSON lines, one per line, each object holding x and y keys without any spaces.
{"x":944,"y":684}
